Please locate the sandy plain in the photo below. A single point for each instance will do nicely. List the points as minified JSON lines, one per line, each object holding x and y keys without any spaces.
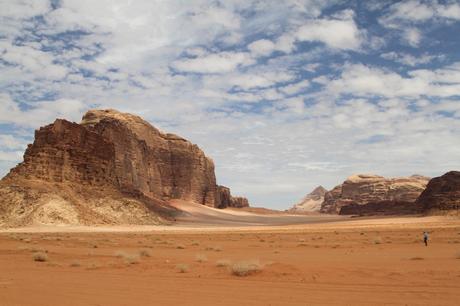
{"x":308,"y":260}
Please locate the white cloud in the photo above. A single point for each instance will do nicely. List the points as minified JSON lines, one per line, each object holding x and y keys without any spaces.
{"x":412,"y":36}
{"x":261,"y":47}
{"x":408,"y":59}
{"x":39,"y":113}
{"x":365,"y":81}
{"x":335,"y":33}
{"x":214,"y":63}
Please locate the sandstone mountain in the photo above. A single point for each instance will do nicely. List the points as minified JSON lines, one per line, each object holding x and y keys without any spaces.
{"x":363,"y":189}
{"x":442,"y":194}
{"x":311,"y":202}
{"x":111,"y":168}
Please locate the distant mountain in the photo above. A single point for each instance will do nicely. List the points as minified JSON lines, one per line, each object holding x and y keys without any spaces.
{"x":389,"y":195}
{"x":311,"y":202}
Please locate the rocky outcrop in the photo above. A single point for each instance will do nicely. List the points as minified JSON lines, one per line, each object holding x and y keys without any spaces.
{"x":116,"y":154}
{"x":362,"y":189}
{"x":442,"y":194}
{"x":381,"y":208}
{"x":311,"y":202}
{"x":225,"y":199}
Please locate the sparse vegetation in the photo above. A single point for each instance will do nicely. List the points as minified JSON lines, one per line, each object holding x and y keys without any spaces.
{"x":182,"y":268}
{"x":40,"y":256}
{"x":245,"y":268}
{"x":377,"y":240}
{"x":214,"y":248}
{"x":180,"y":247}
{"x":75,"y":264}
{"x":223,"y":263}
{"x":201,"y":258}
{"x":128,"y":257}
{"x":144,"y":253}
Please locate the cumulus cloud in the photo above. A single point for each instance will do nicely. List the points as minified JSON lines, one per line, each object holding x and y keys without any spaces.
{"x":214,"y":63}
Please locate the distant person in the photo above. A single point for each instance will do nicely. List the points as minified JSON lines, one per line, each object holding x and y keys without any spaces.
{"x":425,"y":238}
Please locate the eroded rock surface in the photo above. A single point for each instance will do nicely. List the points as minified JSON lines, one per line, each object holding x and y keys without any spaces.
{"x":362,"y":189}
{"x":442,"y":193}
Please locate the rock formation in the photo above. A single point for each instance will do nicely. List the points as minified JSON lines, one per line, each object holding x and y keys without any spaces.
{"x":442,"y":194}
{"x":311,"y":202}
{"x":225,"y":199}
{"x":110,"y":157}
{"x":362,"y":189}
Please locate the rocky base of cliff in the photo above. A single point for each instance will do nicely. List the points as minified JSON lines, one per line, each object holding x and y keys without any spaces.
{"x":28,"y":202}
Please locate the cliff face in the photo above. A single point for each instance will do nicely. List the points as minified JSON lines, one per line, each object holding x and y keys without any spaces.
{"x":225,"y":199}
{"x":115,"y":155}
{"x":311,"y":202}
{"x":442,"y":193}
{"x":155,"y":164}
{"x":363,"y":189}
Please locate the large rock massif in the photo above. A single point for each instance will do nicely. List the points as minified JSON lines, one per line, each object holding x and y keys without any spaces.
{"x":442,"y":194}
{"x":390,"y":195}
{"x":111,"y":168}
{"x":311,"y":202}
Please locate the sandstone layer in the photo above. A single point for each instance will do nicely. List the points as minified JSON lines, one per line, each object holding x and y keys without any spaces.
{"x":311,"y":202}
{"x":442,"y":194}
{"x":93,"y":171}
{"x":363,"y":189}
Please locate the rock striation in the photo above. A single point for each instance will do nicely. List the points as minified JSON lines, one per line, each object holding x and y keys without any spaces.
{"x":113,"y":157}
{"x":442,"y":194}
{"x":363,"y":189}
{"x":311,"y":202}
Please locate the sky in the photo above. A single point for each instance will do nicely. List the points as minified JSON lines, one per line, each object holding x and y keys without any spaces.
{"x":282,"y":95}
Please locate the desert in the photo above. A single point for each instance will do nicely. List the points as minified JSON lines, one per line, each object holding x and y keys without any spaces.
{"x":228,"y":152}
{"x":347,"y":262}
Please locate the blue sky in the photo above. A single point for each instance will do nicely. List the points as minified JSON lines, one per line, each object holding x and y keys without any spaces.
{"x":283,"y":95}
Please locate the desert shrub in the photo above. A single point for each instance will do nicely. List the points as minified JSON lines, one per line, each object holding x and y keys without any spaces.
{"x":40,"y":256}
{"x":75,"y":264}
{"x":129,"y":258}
{"x":144,"y":253}
{"x":223,"y":263}
{"x":245,"y":268}
{"x":377,"y":240}
{"x":201,"y":258}
{"x":214,"y":248}
{"x":182,"y":268}
{"x":180,"y":247}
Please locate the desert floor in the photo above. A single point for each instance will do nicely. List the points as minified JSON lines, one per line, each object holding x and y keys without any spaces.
{"x":346,"y":262}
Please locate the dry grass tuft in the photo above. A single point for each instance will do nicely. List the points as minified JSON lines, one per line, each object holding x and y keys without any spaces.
{"x":245,"y":268}
{"x":128,"y":257}
{"x":223,"y":263}
{"x":180,"y":247}
{"x":201,"y":258}
{"x":144,"y":253}
{"x":377,"y":240}
{"x":416,"y":258}
{"x":40,"y":257}
{"x":182,"y":268}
